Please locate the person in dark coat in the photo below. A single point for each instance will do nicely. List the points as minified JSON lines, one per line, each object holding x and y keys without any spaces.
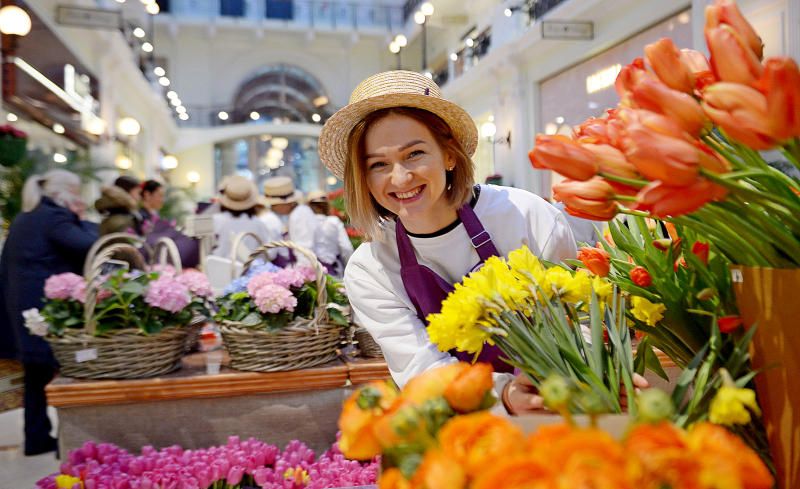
{"x":46,"y":239}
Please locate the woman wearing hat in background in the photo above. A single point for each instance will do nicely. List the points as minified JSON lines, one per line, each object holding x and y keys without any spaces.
{"x":297,"y":219}
{"x":403,"y":153}
{"x":238,"y":204}
{"x":331,"y":243}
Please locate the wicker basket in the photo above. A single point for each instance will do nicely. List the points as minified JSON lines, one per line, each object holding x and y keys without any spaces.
{"x":126,"y":353}
{"x":303,"y":343}
{"x":366,"y":344}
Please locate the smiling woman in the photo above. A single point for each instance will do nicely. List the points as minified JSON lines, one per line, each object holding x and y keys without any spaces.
{"x":403,"y":153}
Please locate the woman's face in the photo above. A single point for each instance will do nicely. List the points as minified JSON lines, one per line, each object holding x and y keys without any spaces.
{"x":406,"y":173}
{"x":154,"y":200}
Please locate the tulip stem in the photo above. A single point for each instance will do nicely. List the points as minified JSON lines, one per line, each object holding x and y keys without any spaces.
{"x":631,"y":182}
{"x":625,"y":198}
{"x":775,"y":203}
{"x":792,"y":151}
{"x":631,"y":212}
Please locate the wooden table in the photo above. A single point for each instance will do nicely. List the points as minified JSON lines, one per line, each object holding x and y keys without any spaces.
{"x":194,"y":410}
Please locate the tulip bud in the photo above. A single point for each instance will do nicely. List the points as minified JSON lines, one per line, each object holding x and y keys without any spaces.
{"x":728,"y":13}
{"x":665,"y":59}
{"x":651,"y":94}
{"x":781,"y":85}
{"x":563,"y":155}
{"x":701,"y":250}
{"x":698,"y":67}
{"x":612,"y":161}
{"x":641,"y":277}
{"x":706,"y":294}
{"x":597,"y":260}
{"x":731,"y":59}
{"x":729,"y":324}
{"x":655,"y":405}
{"x":663,"y":201}
{"x":592,"y":199}
{"x":741,"y":112}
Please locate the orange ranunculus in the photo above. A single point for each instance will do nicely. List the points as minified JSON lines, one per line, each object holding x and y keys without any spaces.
{"x":724,"y":456}
{"x":658,"y":457}
{"x":781,"y":85}
{"x":545,"y":436}
{"x":700,"y":250}
{"x":439,"y":471}
{"x":563,"y":155}
{"x":728,"y":13}
{"x":741,"y":111}
{"x":628,"y":77}
{"x":588,"y":458}
{"x":432,"y":383}
{"x":731,"y":59}
{"x":597,"y":260}
{"x":665,"y":60}
{"x":660,"y":157}
{"x":592,"y":199}
{"x":520,"y":472}
{"x":468,"y":390}
{"x":729,"y":324}
{"x":610,"y":160}
{"x":477,"y":440}
{"x":662,"y":200}
{"x":652,"y":94}
{"x":359,"y":413}
{"x":393,"y":479}
{"x":640,"y":276}
{"x":697,"y":64}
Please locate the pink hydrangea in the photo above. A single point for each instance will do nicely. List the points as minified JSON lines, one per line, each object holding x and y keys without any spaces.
{"x":163,"y":270}
{"x":64,"y":286}
{"x":168,"y":294}
{"x":309,"y":274}
{"x":290,"y":277}
{"x":260,"y":280}
{"x":272,"y":298}
{"x":197,"y":282}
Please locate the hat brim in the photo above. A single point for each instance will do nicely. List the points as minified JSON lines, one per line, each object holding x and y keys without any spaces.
{"x":335,"y":135}
{"x":296,"y":196}
{"x":238,"y":205}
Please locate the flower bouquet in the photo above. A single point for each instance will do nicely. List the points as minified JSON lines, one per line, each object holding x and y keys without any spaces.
{"x":12,"y":145}
{"x":123,"y":325}
{"x":275,"y":319}
{"x":239,"y":464}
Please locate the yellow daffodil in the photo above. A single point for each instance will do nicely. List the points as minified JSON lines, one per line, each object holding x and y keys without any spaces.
{"x":65,"y":481}
{"x":646,"y":311}
{"x":557,"y":278}
{"x":602,"y":288}
{"x":732,"y":406}
{"x":579,"y":289}
{"x":526,"y":266}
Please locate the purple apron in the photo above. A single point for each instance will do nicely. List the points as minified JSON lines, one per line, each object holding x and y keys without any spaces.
{"x":427,"y":290}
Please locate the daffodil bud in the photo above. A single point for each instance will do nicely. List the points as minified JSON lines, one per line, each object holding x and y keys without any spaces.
{"x":556,"y":392}
{"x":654,"y":405}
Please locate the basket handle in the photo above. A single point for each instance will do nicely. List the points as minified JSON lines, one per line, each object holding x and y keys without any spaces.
{"x":319,"y":271}
{"x":237,"y":242}
{"x":166,"y":251}
{"x":105,"y":241}
{"x":89,"y":323}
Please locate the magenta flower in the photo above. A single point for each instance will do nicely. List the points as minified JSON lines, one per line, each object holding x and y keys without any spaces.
{"x":168,"y":294}
{"x":63,"y":286}
{"x":234,"y":475}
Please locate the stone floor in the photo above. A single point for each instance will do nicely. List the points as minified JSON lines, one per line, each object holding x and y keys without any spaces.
{"x":16,"y":470}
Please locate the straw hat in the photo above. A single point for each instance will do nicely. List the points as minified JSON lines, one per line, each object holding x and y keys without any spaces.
{"x":240,"y":194}
{"x":317,"y":196}
{"x":280,"y":190}
{"x":385,"y":90}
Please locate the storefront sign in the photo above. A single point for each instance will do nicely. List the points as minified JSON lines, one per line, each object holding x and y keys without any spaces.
{"x":94,"y":18}
{"x":554,"y":29}
{"x":602,"y":79}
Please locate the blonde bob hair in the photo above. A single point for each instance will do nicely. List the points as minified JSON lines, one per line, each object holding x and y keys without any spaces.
{"x":364,"y":211}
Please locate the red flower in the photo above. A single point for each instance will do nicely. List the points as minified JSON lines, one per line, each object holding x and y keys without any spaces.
{"x":641,"y":277}
{"x":680,"y":262}
{"x":596,"y":260}
{"x":700,"y":250}
{"x":729,"y":324}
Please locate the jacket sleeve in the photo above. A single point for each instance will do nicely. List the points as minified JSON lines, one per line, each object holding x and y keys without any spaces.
{"x":66,"y":232}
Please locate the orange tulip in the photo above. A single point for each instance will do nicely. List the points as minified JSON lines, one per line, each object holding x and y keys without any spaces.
{"x":731,"y":59}
{"x":478,"y":440}
{"x":629,"y":76}
{"x":641,"y":277}
{"x":665,"y":59}
{"x":727,"y":12}
{"x":469,"y":389}
{"x":563,"y":155}
{"x":698,"y":67}
{"x":612,"y":161}
{"x":740,"y":111}
{"x":651,"y":94}
{"x":658,"y":156}
{"x":729,"y":324}
{"x":592,"y":199}
{"x":701,"y":250}
{"x":597,"y":260}
{"x":597,"y":130}
{"x":663,"y":201}
{"x":439,"y":471}
{"x":781,"y":85}
{"x":521,"y":472}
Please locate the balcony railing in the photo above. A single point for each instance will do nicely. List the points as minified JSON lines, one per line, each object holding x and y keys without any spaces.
{"x":339,"y":14}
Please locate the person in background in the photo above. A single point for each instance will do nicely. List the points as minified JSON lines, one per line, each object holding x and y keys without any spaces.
{"x":298,"y":219}
{"x":119,"y":211}
{"x":131,"y":185}
{"x":47,"y":238}
{"x":153,"y":193}
{"x":331,"y":243}
{"x":239,"y":204}
{"x":584,"y":230}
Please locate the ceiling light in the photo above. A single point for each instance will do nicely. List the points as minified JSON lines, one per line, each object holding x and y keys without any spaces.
{"x":469,"y":42}
{"x":147,"y":47}
{"x":401,"y":40}
{"x":159,"y":71}
{"x":316,"y":117}
{"x":96,"y":126}
{"x":193,"y":177}
{"x":11,"y":117}
{"x":320,"y":101}
{"x":153,"y":9}
{"x":175,"y":102}
{"x":426,"y":9}
{"x":169,"y":162}
{"x":183,"y":117}
{"x":172,"y":94}
{"x":254,"y":115}
{"x":488,"y":129}
{"x":139,"y":32}
{"x":507,"y":12}
{"x":180,"y":109}
{"x":14,"y":20}
{"x":59,"y":158}
{"x":419,"y":18}
{"x":280,"y":143}
{"x":128,"y":126}
{"x":453,"y":57}
{"x":394,"y":48}
{"x":223,"y":116}
{"x":58,"y":128}
{"x":123,"y":162}
{"x":163,"y":81}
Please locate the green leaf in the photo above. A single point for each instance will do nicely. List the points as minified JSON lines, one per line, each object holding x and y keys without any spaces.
{"x":252,"y":319}
{"x":132,"y":287}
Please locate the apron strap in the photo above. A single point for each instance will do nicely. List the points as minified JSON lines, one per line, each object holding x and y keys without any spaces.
{"x":478,"y":235}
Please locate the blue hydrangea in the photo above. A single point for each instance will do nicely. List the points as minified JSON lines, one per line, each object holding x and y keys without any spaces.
{"x":240,"y":284}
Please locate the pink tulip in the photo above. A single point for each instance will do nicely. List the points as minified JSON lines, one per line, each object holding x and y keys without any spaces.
{"x":740,"y":111}
{"x":234,"y":475}
{"x":665,"y":60}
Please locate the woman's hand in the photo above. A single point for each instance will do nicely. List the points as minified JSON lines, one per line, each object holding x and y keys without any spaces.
{"x":521,"y":397}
